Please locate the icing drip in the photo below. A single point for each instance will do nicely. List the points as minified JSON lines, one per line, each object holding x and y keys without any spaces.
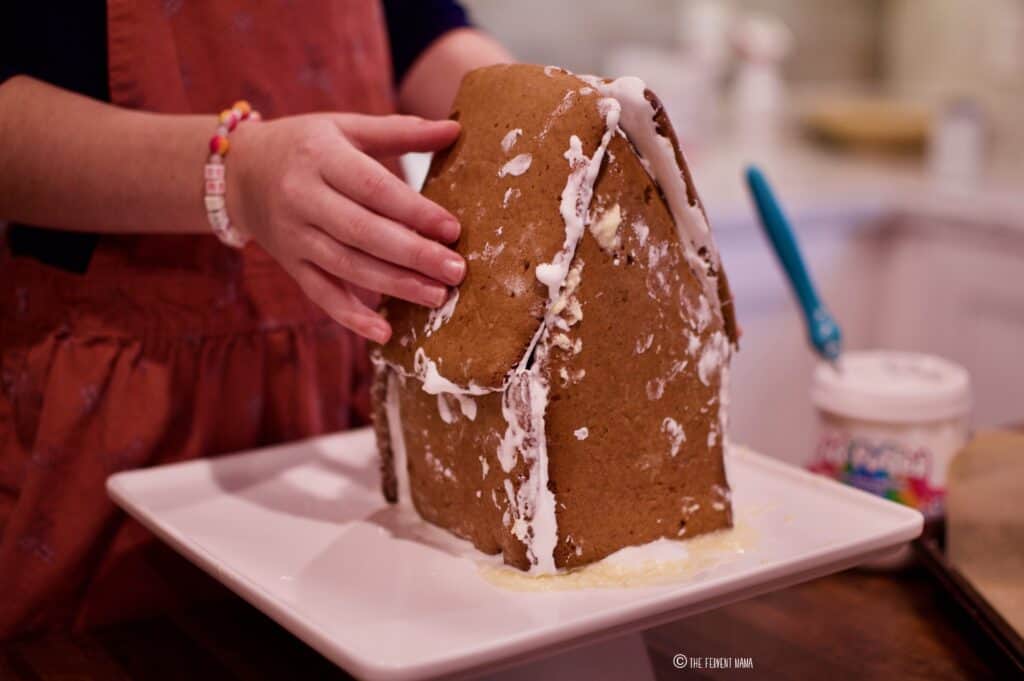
{"x":656,"y":386}
{"x":532,"y":507}
{"x":693,"y":345}
{"x":560,"y":109}
{"x":425,"y":369}
{"x":398,"y":455}
{"x":723,"y":401}
{"x":581,"y":433}
{"x":437,"y":467}
{"x":443,"y":409}
{"x":724,"y":496}
{"x":674,"y":431}
{"x":703,"y":314}
{"x":658,"y":157}
{"x":440,"y":315}
{"x":606,"y":229}
{"x":517,"y":166}
{"x":489,"y":253}
{"x":713,"y":357}
{"x":690,"y":506}
{"x":509,"y":140}
{"x":575,"y":203}
{"x":644,"y":344}
{"x":641,"y":230}
{"x":467,"y":405}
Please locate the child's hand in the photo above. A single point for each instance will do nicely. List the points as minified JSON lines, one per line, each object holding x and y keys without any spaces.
{"x":308,"y":190}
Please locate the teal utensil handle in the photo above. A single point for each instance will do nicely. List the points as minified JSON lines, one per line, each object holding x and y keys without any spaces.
{"x":822,"y":329}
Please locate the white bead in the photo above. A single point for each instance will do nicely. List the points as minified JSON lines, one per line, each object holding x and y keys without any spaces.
{"x":213,"y":203}
{"x":214,"y":171}
{"x":219,"y":220}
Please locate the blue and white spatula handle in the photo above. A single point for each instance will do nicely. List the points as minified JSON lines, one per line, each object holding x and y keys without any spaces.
{"x":822,"y":329}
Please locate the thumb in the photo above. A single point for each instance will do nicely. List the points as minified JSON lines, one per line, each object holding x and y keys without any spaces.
{"x":392,"y":135}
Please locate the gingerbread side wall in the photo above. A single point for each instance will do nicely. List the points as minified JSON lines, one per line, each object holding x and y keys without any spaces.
{"x":633,"y":430}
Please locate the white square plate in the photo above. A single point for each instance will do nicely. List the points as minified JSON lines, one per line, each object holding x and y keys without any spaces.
{"x":301,"y":532}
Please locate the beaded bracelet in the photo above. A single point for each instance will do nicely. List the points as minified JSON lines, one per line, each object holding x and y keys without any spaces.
{"x":213,"y":174}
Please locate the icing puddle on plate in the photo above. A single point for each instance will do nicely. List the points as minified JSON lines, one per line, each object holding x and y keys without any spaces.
{"x":659,"y":562}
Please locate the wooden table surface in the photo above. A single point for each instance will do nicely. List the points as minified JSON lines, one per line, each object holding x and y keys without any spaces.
{"x":855,"y":624}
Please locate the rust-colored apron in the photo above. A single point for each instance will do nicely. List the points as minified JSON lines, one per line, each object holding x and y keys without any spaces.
{"x":170,"y":347}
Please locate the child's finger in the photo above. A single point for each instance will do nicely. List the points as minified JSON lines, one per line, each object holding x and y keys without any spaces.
{"x":385,"y":239}
{"x":370,"y":273}
{"x":341,"y":304}
{"x":393,"y":135}
{"x":367,"y":182}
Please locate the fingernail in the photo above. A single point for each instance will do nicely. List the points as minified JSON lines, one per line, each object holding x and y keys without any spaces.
{"x":435,"y":296}
{"x":450,"y":230}
{"x":454,"y":269}
{"x":379,"y":332}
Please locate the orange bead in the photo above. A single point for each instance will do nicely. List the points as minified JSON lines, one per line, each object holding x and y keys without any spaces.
{"x":242,"y":107}
{"x":226,"y":115}
{"x":219,"y":145}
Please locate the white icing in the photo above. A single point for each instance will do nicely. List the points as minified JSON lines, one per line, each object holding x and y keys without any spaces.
{"x":510,"y":193}
{"x":425,"y":369}
{"x":693,"y":345}
{"x":656,"y":386}
{"x":443,"y":409}
{"x":517,"y":166}
{"x":509,"y":140}
{"x":644,"y":344}
{"x":690,"y":506}
{"x":560,"y":109}
{"x":581,"y":433}
{"x":606,"y":228}
{"x":674,"y":431}
{"x":438,"y":467}
{"x":703,"y":314}
{"x":576,"y":196}
{"x":489,"y":253}
{"x":714,"y":356}
{"x":440,"y":315}
{"x":399,"y":460}
{"x":484,"y":467}
{"x":467,"y":405}
{"x":523,"y":405}
{"x":572,"y":282}
{"x":723,"y":401}
{"x":641,"y":230}
{"x":573,"y":311}
{"x":658,"y":157}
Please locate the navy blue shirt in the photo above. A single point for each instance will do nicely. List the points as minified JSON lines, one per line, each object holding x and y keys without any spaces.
{"x":67,"y":47}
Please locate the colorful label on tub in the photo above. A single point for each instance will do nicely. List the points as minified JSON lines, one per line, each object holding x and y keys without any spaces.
{"x":884,"y":467}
